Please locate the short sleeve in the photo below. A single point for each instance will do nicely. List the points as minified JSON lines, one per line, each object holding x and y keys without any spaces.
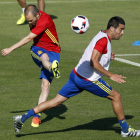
{"x":101,"y":45}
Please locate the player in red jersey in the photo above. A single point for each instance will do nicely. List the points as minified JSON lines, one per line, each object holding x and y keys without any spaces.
{"x":45,"y":50}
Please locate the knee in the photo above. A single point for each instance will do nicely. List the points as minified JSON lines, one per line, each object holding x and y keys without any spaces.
{"x":58,"y":100}
{"x":44,"y":56}
{"x":115,"y":96}
{"x":118,"y":96}
{"x":45,"y":86}
{"x":54,"y":103}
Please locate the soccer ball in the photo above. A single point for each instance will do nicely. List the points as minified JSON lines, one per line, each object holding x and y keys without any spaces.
{"x":79,"y":24}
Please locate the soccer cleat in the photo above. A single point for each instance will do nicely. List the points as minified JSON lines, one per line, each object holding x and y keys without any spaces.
{"x":131,"y":133}
{"x":55,"y":69}
{"x":21,"y":20}
{"x":35,"y":122}
{"x":17,"y":123}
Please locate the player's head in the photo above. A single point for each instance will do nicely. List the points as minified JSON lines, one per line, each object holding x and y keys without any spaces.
{"x":116,"y":26}
{"x":32,"y":14}
{"x":115,"y":21}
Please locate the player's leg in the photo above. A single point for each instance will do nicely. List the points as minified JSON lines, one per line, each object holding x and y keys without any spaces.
{"x":41,"y":5}
{"x":20,"y":119}
{"x":46,"y":80}
{"x":46,"y":77}
{"x":22,"y":19}
{"x":117,"y":104}
{"x":44,"y":59}
{"x":50,"y":62}
{"x":102,"y":89}
{"x":22,"y":3}
{"x":45,"y":87}
{"x":68,"y":90}
{"x":118,"y":110}
{"x":57,"y":101}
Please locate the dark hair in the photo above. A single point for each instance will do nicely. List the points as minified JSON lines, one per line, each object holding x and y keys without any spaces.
{"x":115,"y":21}
{"x":32,"y":9}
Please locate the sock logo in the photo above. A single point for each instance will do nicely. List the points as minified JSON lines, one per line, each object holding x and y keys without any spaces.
{"x":123,"y":121}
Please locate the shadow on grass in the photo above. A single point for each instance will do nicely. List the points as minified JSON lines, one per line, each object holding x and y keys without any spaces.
{"x":54,"y":112}
{"x":26,"y":22}
{"x":51,"y":113}
{"x":103,"y":124}
{"x":19,"y":111}
{"x":53,"y":16}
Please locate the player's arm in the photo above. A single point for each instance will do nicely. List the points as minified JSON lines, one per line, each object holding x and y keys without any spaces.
{"x":22,"y":42}
{"x":95,"y":63}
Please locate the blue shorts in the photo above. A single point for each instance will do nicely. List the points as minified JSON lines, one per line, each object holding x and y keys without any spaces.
{"x":36,"y":53}
{"x":75,"y":85}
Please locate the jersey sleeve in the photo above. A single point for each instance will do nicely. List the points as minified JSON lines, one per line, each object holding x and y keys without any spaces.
{"x":101,"y":45}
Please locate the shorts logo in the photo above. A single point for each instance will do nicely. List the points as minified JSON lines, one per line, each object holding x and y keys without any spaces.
{"x":39,"y":52}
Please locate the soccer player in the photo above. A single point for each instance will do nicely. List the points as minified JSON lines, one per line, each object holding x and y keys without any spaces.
{"x":22,"y":3}
{"x":45,"y":50}
{"x":87,"y":76}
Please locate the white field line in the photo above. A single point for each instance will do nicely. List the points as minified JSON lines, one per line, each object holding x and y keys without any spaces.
{"x":127,"y":61}
{"x":84,"y":1}
{"x":126,"y":54}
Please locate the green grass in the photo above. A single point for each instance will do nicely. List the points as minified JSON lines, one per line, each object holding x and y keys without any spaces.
{"x":85,"y":116}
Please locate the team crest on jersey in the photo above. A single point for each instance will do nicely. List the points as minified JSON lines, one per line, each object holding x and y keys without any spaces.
{"x":39,"y":52}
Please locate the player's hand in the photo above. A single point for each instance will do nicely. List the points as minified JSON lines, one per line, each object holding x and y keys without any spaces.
{"x":5,"y":51}
{"x":118,"y":78}
{"x":112,"y":56}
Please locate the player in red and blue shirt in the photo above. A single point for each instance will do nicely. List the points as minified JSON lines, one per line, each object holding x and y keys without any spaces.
{"x":45,"y":49}
{"x":45,"y":30}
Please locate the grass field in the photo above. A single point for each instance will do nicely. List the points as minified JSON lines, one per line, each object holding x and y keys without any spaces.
{"x":85,"y":116}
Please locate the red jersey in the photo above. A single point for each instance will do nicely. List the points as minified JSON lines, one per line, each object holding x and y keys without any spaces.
{"x":45,"y":30}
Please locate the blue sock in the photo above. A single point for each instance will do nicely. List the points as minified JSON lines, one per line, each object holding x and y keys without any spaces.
{"x":124,"y":125}
{"x":38,"y":115}
{"x":27,"y":115}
